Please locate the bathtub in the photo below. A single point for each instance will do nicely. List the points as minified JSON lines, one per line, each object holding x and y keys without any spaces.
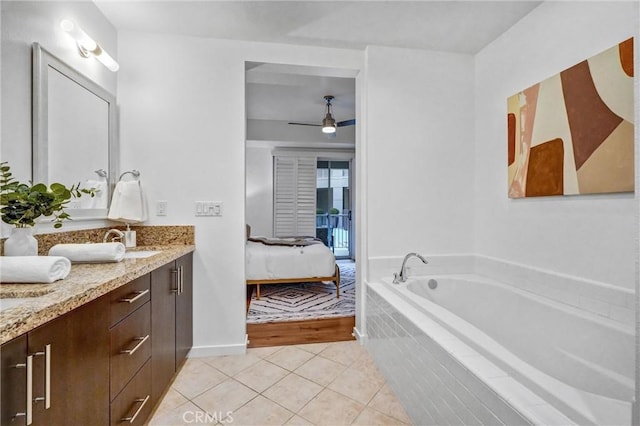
{"x":565,"y":364}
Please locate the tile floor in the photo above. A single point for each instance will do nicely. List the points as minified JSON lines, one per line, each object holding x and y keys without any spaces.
{"x":314,"y":384}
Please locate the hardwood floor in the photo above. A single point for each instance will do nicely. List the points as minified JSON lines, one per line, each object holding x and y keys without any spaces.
{"x":300,"y":332}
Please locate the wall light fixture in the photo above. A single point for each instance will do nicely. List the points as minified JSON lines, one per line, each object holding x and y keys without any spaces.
{"x":87,"y":46}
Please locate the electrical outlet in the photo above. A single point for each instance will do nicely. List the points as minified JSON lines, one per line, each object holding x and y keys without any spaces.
{"x":161,"y":208}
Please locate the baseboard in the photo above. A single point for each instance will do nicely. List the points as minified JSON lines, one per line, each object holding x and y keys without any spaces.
{"x":219,"y":350}
{"x":360,"y":337}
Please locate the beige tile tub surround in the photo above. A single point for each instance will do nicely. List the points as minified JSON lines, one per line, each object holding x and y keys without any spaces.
{"x":146,"y":236}
{"x":85,"y":283}
{"x":271,"y":386}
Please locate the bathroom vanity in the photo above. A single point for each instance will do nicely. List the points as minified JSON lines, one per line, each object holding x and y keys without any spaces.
{"x":99,"y":347}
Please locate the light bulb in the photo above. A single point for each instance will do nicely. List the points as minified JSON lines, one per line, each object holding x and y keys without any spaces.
{"x":87,"y":45}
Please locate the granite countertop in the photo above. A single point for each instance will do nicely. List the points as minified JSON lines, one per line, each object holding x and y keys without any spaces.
{"x":85,"y":283}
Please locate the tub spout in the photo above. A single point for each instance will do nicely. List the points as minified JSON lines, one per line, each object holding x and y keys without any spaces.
{"x":402,"y":276}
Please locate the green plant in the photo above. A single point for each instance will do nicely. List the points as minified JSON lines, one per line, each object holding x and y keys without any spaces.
{"x":319,"y":211}
{"x":22,"y":204}
{"x":334,"y":210}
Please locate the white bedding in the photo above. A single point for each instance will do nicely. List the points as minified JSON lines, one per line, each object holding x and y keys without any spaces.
{"x":275,"y":262}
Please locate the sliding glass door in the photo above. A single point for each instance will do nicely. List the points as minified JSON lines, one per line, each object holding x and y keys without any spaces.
{"x":333,"y":206}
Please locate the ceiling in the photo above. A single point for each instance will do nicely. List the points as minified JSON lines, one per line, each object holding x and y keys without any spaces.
{"x":452,"y":26}
{"x":294,"y":93}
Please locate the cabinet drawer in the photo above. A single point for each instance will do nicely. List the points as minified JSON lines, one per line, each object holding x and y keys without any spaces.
{"x":133,"y":405}
{"x":129,"y":297}
{"x":130,"y":347}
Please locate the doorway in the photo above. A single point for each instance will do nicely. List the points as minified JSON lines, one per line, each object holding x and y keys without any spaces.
{"x":285,"y":107}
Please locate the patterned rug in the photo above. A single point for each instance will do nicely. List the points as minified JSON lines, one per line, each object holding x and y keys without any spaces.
{"x":295,"y":302}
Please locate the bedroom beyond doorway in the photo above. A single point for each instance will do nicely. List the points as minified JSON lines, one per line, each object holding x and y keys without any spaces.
{"x":303,"y":312}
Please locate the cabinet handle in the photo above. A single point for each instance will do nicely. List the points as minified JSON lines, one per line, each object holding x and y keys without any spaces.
{"x":136,"y":347}
{"x":132,"y":418}
{"x":181,"y":280}
{"x":29,"y":409}
{"x":47,"y":377}
{"x":138,"y":295}
{"x":176,"y":273}
{"x":29,"y":413}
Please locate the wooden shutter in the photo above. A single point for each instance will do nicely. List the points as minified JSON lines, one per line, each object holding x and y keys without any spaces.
{"x":294,"y":201}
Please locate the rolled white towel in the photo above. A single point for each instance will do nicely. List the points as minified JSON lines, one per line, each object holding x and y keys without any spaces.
{"x":89,"y":253}
{"x":33,"y":269}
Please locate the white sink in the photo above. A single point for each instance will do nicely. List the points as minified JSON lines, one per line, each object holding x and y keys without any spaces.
{"x":140,"y":254}
{"x":10,"y":302}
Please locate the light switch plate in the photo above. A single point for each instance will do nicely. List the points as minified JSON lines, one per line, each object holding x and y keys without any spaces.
{"x":208,"y":208}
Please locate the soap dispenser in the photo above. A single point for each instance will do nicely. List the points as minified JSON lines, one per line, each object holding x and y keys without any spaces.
{"x":129,"y":237}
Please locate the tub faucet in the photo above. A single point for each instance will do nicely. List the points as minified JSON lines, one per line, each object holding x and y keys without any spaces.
{"x":119,"y":235}
{"x":402,"y":276}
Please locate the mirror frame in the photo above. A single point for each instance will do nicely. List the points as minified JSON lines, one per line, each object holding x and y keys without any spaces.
{"x":42,"y":61}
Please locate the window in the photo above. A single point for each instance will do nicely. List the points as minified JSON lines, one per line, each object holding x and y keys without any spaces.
{"x":294,"y":202}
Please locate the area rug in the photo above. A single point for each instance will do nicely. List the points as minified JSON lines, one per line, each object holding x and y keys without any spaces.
{"x":303,"y":301}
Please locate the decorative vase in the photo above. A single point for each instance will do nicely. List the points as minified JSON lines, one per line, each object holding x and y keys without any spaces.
{"x":21,"y":243}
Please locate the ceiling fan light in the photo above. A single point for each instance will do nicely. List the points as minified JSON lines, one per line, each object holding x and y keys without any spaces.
{"x":328,"y":124}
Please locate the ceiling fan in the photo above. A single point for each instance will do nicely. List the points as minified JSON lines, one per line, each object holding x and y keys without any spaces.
{"x":329,"y":124}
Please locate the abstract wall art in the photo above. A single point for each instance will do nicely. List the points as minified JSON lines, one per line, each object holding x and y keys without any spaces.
{"x":573,"y":133}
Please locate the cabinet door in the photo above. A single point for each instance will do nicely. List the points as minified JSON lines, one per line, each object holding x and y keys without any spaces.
{"x":184,"y":309}
{"x":163,"y":328}
{"x":13,"y":389}
{"x":77,"y":370}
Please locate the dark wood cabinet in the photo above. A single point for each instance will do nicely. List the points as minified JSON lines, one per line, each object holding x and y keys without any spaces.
{"x":164,"y":286}
{"x":133,"y":405}
{"x":13,"y":399}
{"x":130,"y":347}
{"x":77,"y":347}
{"x":66,"y":367}
{"x":108,"y":360}
{"x":184,"y":309}
{"x":171,"y":321}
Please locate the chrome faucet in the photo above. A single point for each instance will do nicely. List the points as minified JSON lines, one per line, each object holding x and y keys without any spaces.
{"x":118,"y":237}
{"x":402,"y":276}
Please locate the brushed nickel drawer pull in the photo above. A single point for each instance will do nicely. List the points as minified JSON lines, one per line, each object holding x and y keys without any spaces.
{"x":47,"y":376}
{"x":29,"y":413}
{"x":132,"y":418}
{"x":176,"y":273}
{"x":181,"y":279}
{"x":138,"y":295}
{"x":136,"y":347}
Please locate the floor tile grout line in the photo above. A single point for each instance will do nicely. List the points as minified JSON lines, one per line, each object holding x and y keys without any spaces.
{"x":351,"y":366}
{"x":386,"y":414}
{"x":206,"y":390}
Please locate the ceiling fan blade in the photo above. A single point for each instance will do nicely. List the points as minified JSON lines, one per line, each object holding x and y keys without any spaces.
{"x":305,"y":124}
{"x":346,"y":123}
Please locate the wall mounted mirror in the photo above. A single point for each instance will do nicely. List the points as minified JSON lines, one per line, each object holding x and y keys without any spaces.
{"x":74,"y":133}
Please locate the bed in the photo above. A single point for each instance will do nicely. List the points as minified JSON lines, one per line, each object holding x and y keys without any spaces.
{"x":289,"y":260}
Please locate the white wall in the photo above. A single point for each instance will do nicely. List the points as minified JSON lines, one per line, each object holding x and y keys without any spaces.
{"x":259,"y":207}
{"x":419,"y":152}
{"x":26,"y":22}
{"x":586,"y":236}
{"x":183,"y":126}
